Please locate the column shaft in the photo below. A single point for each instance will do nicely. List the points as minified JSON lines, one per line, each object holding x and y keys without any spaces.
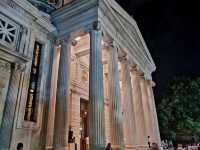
{"x":154,"y":113}
{"x":146,"y":107}
{"x":129,"y":117}
{"x":96,"y":96}
{"x":10,"y":108}
{"x":52,"y":100}
{"x":117,"y":139}
{"x":139,"y":113}
{"x":62,"y":103}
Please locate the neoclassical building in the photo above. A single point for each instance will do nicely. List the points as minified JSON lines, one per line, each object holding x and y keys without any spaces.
{"x":74,"y":75}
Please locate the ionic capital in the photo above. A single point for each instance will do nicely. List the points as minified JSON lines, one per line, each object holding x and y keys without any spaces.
{"x":110,"y":45}
{"x":66,"y":40}
{"x":96,"y":25}
{"x":133,"y":68}
{"x":123,"y":58}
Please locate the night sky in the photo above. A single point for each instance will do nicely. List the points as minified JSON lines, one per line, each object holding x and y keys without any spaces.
{"x":171,"y":29}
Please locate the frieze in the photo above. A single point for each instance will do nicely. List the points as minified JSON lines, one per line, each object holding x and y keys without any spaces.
{"x":4,"y":66}
{"x":11,"y":3}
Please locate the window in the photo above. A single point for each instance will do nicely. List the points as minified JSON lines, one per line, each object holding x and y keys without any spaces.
{"x":9,"y":32}
{"x":30,"y":112}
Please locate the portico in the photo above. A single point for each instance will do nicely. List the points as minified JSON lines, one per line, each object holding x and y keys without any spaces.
{"x":74,"y":76}
{"x":100,"y":56}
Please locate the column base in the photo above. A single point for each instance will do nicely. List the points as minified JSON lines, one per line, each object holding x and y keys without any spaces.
{"x":130,"y":147}
{"x":118,"y":147}
{"x":97,"y":147}
{"x":142,"y":147}
{"x":48,"y":148}
{"x":60,"y":148}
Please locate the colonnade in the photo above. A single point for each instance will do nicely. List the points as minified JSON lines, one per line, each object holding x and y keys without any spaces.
{"x":139,"y":116}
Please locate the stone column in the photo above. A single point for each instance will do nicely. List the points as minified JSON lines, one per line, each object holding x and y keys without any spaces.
{"x":10,"y":107}
{"x":63,"y":97}
{"x":129,"y":117}
{"x":116,"y":119}
{"x":139,"y":113}
{"x":153,"y":112}
{"x":146,"y":107}
{"x":96,"y":96}
{"x":52,"y":100}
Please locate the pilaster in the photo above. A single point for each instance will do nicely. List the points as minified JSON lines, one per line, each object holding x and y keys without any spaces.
{"x":10,"y":107}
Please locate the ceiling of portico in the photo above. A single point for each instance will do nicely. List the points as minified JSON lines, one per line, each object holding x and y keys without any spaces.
{"x":82,"y":49}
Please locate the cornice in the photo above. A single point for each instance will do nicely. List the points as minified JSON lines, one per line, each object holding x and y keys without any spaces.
{"x":72,"y":9}
{"x":38,"y":15}
{"x":115,"y":28}
{"x":130,"y":20}
{"x":82,"y":14}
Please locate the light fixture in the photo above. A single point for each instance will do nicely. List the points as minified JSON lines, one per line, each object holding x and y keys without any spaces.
{"x":78,"y":38}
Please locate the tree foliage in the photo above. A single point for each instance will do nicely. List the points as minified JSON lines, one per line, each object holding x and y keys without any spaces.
{"x":179,"y":109}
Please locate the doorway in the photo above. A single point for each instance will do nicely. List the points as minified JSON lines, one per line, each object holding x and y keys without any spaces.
{"x":84,"y":124}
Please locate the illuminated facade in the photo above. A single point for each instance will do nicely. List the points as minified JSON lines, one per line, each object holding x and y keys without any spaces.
{"x":78,"y":67}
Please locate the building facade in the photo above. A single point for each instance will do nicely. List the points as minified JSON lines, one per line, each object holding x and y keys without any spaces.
{"x":74,"y":74}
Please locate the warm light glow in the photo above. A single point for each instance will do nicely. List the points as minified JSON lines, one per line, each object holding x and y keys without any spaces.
{"x":120,"y":84}
{"x":78,"y":38}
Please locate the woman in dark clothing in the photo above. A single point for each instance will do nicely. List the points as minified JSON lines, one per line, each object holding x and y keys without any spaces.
{"x":20,"y":146}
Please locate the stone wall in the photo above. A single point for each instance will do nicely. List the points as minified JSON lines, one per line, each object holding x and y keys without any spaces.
{"x":21,"y":25}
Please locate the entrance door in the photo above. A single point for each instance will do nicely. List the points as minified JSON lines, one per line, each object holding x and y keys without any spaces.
{"x":84,"y":125}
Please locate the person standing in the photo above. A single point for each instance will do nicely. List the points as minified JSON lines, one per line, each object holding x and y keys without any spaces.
{"x":108,"y":147}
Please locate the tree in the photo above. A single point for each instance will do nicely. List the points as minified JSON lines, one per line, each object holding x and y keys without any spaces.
{"x":179,"y":109}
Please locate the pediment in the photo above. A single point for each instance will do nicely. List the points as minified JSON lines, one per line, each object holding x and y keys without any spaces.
{"x":132,"y":28}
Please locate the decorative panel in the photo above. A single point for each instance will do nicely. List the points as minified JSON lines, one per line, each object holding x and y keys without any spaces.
{"x":5,"y":69}
{"x":9,"y":32}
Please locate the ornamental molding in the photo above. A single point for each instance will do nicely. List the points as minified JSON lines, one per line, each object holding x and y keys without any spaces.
{"x":114,"y":21}
{"x":25,"y":8}
{"x":114,"y":27}
{"x":9,"y":32}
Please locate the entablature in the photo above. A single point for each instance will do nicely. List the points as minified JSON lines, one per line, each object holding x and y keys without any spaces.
{"x":81,"y":15}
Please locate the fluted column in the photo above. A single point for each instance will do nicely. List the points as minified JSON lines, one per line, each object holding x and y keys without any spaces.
{"x":117,"y":139}
{"x":96,"y":96}
{"x":146,"y":107}
{"x":129,"y":117}
{"x":10,"y":107}
{"x":63,"y":98}
{"x":52,"y":100}
{"x":153,"y":112}
{"x":138,"y":107}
